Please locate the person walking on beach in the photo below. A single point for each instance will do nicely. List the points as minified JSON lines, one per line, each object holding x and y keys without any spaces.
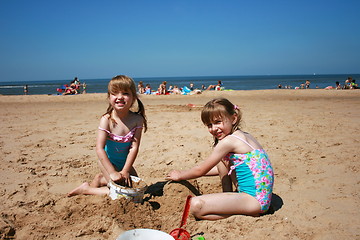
{"x":84,"y":88}
{"x":26,"y":90}
{"x":239,"y":160}
{"x":118,"y":138}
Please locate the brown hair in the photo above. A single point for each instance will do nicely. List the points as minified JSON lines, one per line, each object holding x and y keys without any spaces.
{"x":125,"y":83}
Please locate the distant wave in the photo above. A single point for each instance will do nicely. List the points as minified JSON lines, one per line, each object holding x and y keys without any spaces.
{"x":11,"y":86}
{"x":21,"y":86}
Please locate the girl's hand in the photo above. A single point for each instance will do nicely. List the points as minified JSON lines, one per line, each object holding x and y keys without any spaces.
{"x":174,"y":175}
{"x":126,"y":177}
{"x":116,"y":176}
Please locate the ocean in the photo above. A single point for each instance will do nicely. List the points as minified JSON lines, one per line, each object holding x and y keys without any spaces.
{"x":251,"y":82}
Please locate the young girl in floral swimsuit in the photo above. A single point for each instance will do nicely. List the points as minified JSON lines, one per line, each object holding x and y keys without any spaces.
{"x":238,"y":159}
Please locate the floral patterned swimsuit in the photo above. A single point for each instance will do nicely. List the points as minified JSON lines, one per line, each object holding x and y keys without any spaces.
{"x":254,"y":174}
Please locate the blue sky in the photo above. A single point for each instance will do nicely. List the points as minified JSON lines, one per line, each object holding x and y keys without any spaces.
{"x":55,"y":40}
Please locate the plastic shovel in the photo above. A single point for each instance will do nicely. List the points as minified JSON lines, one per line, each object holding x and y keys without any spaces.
{"x":180,"y":233}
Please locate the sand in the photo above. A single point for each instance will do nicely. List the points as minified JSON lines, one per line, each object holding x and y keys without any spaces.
{"x":47,"y":148}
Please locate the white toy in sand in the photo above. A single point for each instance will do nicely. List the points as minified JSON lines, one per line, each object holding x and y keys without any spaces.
{"x":144,"y":234}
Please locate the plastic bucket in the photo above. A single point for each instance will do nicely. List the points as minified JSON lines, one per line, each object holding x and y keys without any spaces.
{"x":144,"y":234}
{"x":135,"y":194}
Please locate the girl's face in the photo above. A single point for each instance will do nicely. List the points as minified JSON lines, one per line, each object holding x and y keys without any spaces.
{"x":123,"y":100}
{"x":221,"y":126}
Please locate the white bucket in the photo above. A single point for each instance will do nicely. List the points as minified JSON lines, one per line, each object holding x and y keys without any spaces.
{"x":144,"y":234}
{"x":134,"y":194}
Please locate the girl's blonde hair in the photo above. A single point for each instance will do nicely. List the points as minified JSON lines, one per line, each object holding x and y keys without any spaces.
{"x":125,"y":83}
{"x":220,"y":108}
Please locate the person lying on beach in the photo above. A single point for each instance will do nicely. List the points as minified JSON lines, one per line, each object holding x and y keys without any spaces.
{"x":176,"y":90}
{"x":71,"y":90}
{"x":216,"y":87}
{"x":238,"y":159}
{"x":118,"y":138}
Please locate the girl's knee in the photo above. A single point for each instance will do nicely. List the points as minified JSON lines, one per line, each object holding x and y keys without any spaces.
{"x":98,"y":180}
{"x":196,"y":206}
{"x":99,"y":176}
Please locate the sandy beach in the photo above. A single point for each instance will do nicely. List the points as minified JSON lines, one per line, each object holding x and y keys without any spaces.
{"x":47,"y":148}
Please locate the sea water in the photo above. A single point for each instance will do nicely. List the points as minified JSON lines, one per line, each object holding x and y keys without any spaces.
{"x":252,"y":82}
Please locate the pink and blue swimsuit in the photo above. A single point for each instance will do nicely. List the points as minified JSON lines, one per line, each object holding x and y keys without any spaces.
{"x":117,"y":147}
{"x":254,"y":174}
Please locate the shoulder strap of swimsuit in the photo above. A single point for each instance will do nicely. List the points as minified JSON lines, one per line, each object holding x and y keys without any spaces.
{"x":134,"y":128}
{"x":103,"y":129}
{"x":243,"y":141}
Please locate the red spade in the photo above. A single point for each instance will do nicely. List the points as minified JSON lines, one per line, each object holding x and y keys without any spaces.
{"x":180,"y":233}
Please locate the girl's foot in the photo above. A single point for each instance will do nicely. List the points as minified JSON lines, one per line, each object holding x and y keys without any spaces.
{"x":79,"y":190}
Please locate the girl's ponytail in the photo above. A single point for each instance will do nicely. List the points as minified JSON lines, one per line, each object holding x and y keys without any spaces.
{"x":141,"y":111}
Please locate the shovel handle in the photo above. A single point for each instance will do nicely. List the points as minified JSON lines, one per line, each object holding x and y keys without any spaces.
{"x":186,"y":211}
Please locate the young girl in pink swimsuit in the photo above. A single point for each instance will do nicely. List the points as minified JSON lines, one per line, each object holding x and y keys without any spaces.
{"x":118,"y":138}
{"x":238,"y":159}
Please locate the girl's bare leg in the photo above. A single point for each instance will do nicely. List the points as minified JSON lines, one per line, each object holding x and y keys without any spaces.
{"x":86,"y":189}
{"x":98,"y":181}
{"x":226,"y":182}
{"x":104,"y":172}
{"x":221,"y":170}
{"x":98,"y":186}
{"x":213,"y":172}
{"x":222,"y":205}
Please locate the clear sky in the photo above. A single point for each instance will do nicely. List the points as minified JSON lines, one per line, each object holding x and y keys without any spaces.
{"x":55,"y":40}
